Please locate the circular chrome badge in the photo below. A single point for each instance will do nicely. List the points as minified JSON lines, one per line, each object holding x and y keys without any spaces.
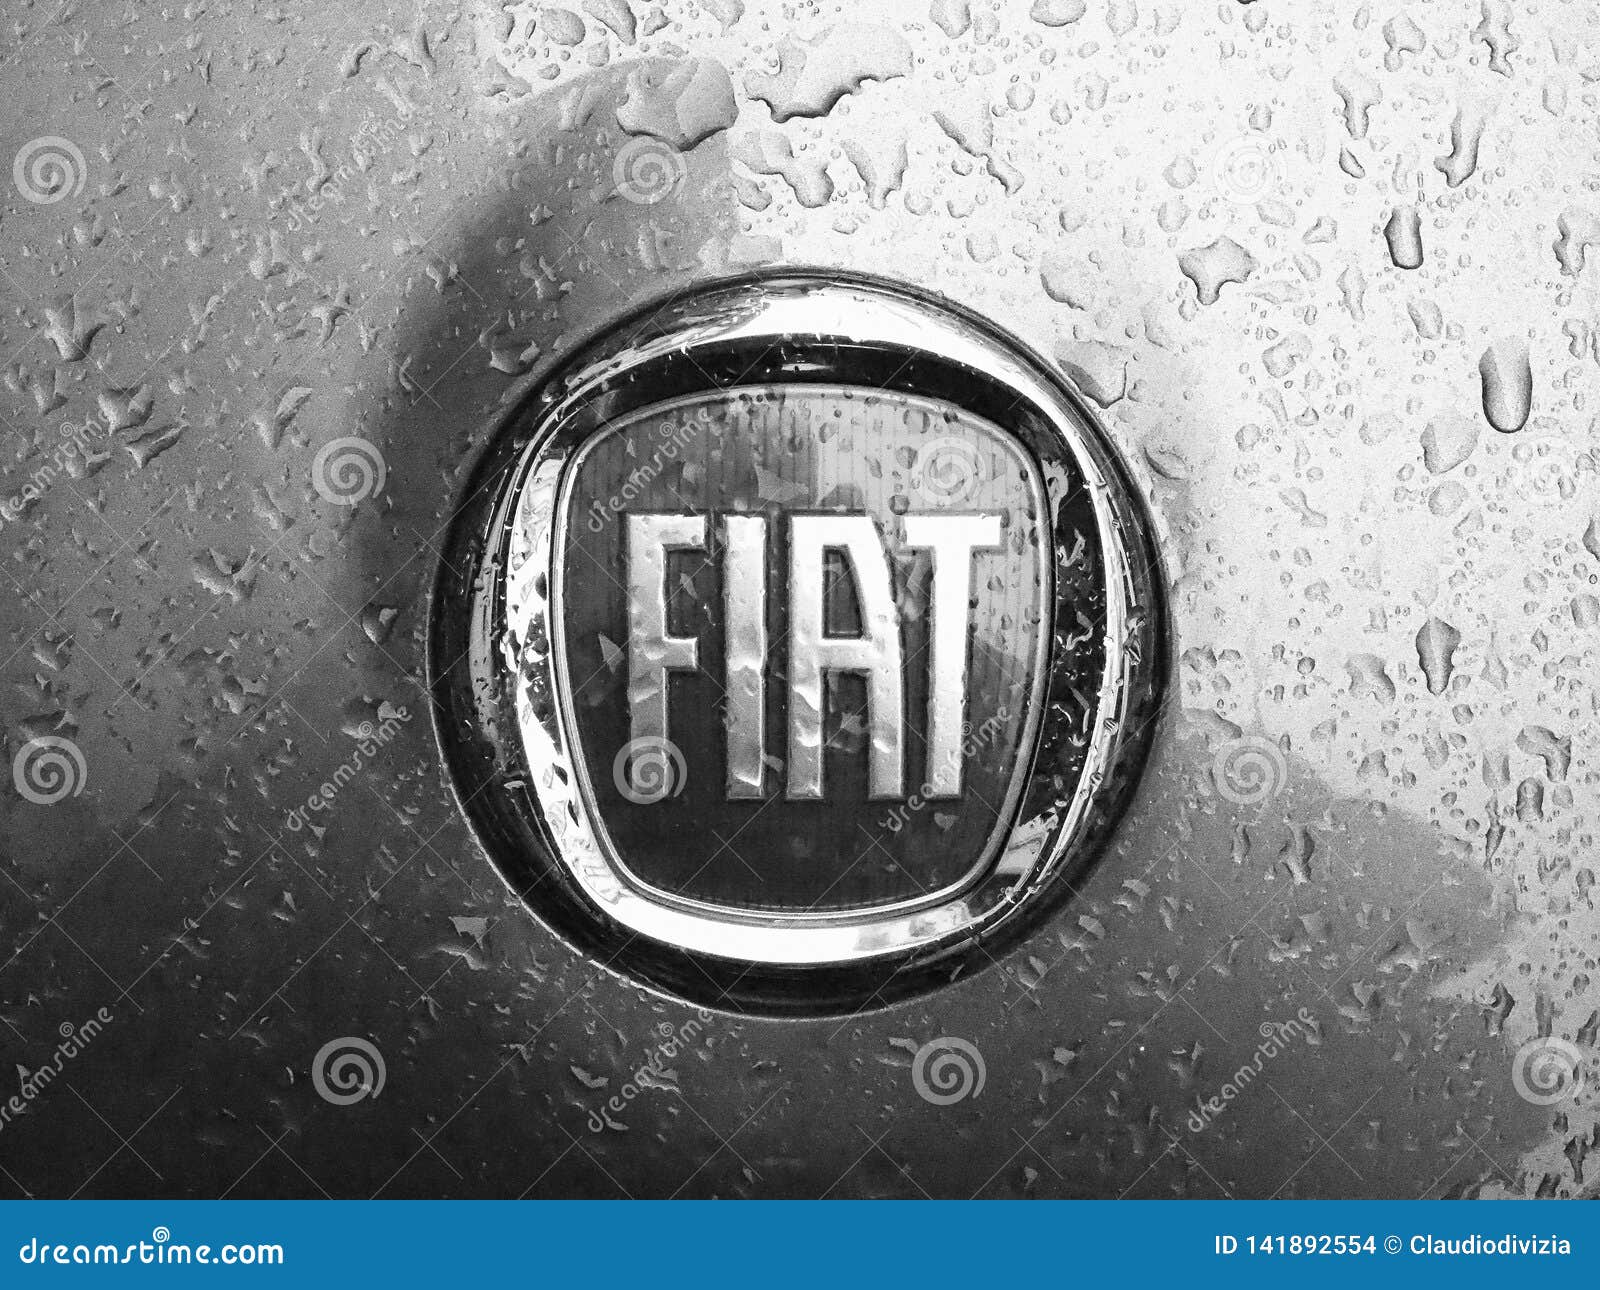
{"x":796,"y":640}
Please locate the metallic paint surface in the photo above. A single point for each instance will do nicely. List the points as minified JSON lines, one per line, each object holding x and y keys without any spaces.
{"x":214,"y":634}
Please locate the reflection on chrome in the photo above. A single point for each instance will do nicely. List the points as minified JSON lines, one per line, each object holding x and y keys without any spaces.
{"x":870,"y":585}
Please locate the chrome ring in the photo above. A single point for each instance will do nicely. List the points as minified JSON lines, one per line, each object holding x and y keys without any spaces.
{"x":509,"y":732}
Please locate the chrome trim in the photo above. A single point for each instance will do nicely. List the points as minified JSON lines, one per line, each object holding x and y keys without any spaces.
{"x":515,"y":771}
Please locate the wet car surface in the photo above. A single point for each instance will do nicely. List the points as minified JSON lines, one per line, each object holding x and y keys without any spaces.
{"x":273,"y":279}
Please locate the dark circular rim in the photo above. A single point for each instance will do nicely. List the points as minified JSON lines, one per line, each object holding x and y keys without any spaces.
{"x":477,"y":729}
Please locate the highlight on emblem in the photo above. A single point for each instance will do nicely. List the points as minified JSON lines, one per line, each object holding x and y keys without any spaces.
{"x":48,"y":169}
{"x":49,"y":769}
{"x":1548,"y":1070}
{"x":649,"y":770}
{"x":948,"y":1070}
{"x":648,"y":170}
{"x":1250,"y":770}
{"x":347,"y":471}
{"x":348,"y":1070}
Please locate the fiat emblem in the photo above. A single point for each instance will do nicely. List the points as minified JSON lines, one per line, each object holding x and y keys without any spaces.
{"x":796,"y":643}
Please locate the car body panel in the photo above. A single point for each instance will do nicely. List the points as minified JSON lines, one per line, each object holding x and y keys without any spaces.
{"x":1361,"y":838}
